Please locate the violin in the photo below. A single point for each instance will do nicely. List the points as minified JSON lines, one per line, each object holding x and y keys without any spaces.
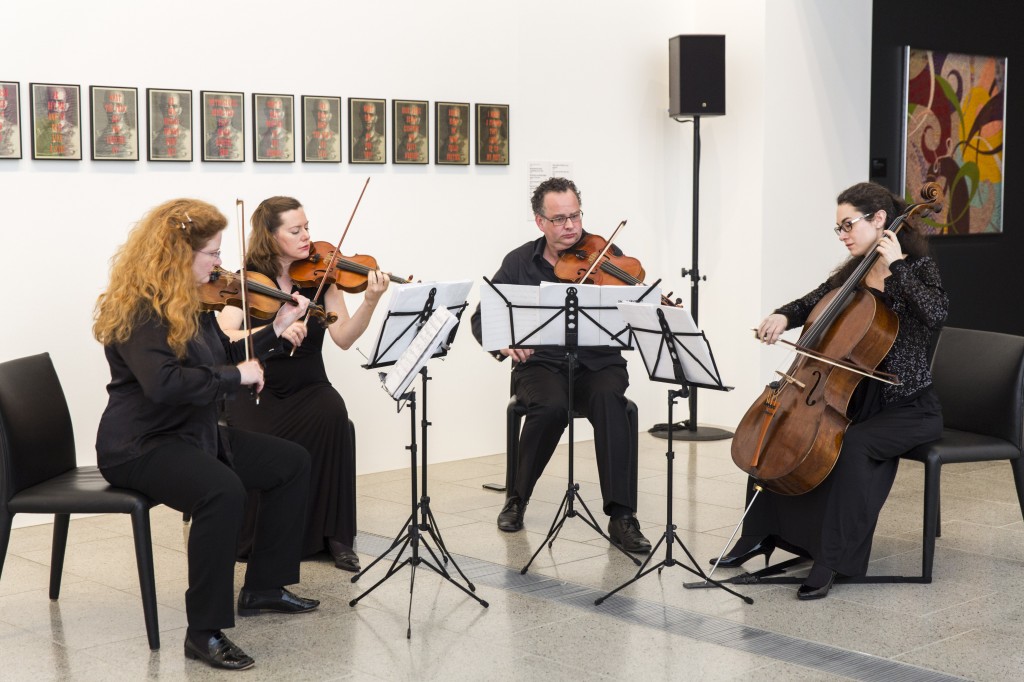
{"x":349,"y":273}
{"x":577,"y":264}
{"x":264,"y":299}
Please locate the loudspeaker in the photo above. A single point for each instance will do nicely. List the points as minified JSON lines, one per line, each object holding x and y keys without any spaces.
{"x":696,"y":75}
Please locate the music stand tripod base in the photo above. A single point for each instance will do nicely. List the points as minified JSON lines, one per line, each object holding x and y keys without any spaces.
{"x":682,"y":431}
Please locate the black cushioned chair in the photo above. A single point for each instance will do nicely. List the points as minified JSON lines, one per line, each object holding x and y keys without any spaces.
{"x":515,"y":413}
{"x":979,"y":377}
{"x":39,"y":474}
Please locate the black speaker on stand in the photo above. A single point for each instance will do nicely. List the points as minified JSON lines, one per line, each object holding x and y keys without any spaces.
{"x":696,"y":68}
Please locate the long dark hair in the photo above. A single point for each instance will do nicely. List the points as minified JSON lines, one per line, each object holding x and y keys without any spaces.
{"x":869,"y":197}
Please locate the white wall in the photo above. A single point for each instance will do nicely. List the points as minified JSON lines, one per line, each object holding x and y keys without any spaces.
{"x":587,"y":83}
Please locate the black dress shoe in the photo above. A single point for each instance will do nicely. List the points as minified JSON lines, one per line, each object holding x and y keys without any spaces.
{"x":809,"y":591}
{"x":737,"y":556}
{"x":254,"y":602}
{"x":625,"y":533}
{"x":510,"y":519}
{"x":218,"y":652}
{"x":344,"y":556}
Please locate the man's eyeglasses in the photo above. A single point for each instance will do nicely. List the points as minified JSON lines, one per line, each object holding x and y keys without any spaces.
{"x":559,"y":220}
{"x":848,"y":224}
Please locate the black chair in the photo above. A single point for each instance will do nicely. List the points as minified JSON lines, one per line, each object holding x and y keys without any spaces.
{"x":979,"y":377}
{"x":39,"y":474}
{"x":514,"y":414}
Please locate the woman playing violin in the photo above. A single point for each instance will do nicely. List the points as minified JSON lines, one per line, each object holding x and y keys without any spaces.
{"x":170,"y":367}
{"x":298,"y":402}
{"x":833,"y":524}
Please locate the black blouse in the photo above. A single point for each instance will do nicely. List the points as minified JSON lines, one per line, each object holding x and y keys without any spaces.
{"x":914,"y":292}
{"x":155,"y":397}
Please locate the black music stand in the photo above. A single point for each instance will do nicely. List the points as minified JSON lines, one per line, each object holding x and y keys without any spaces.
{"x":553,"y":317}
{"x":413,"y":332}
{"x":674,"y":351}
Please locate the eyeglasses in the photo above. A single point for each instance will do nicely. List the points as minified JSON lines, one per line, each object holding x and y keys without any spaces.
{"x":847,"y":225}
{"x":215,"y":254}
{"x":559,"y":220}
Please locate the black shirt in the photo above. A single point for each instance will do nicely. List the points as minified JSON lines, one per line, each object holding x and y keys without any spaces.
{"x":156,"y":396}
{"x":527,"y":265}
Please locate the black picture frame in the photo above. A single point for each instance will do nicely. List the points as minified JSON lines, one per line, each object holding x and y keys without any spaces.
{"x":169,"y":124}
{"x":273,"y":128}
{"x":10,"y":120}
{"x":321,"y":129}
{"x":366,"y":136}
{"x":451,"y":133}
{"x":410,"y":131}
{"x":222,"y":121}
{"x":56,"y":115}
{"x":492,"y":135}
{"x":114,"y":123}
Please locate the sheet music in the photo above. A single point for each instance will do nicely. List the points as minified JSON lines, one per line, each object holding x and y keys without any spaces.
{"x":423,"y":346}
{"x":691,"y":346}
{"x":494,"y":321}
{"x":409,"y":299}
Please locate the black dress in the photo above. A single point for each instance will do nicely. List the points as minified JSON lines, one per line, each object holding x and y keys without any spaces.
{"x":834,"y":523}
{"x":299,"y":403}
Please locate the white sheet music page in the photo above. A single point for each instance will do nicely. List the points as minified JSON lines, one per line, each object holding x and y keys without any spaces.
{"x":410,"y":298}
{"x":422,"y":348}
{"x":610,"y":316}
{"x":643,"y":318}
{"x":495,"y":331}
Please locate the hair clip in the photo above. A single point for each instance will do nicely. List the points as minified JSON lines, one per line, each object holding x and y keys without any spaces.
{"x":190,"y":222}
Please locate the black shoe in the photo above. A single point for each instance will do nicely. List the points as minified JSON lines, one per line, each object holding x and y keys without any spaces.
{"x":625,"y":533}
{"x":254,"y":602}
{"x":344,"y":556}
{"x":218,"y":652}
{"x":736,"y":557}
{"x":809,"y":591}
{"x":510,"y":519}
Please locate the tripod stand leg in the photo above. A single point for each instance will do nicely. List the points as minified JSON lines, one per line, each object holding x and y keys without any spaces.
{"x":556,"y":526}
{"x":592,"y":522}
{"x":401,"y":539}
{"x":435,"y":533}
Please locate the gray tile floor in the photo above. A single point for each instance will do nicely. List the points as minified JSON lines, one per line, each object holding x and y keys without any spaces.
{"x":968,"y":623}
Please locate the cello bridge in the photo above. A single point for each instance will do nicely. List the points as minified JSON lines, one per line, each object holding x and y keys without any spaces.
{"x":790,"y":379}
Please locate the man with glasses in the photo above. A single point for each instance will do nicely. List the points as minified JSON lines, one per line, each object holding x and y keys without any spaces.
{"x":540,"y":378}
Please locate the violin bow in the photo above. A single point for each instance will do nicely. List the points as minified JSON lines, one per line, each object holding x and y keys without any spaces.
{"x":334,"y":257}
{"x":601,"y":255}
{"x":250,"y":352}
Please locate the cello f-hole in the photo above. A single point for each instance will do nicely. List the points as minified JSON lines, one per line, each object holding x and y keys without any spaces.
{"x":817,"y":380}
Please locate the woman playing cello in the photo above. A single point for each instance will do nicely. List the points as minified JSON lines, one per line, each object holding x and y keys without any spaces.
{"x":298,"y":402}
{"x":833,"y":524}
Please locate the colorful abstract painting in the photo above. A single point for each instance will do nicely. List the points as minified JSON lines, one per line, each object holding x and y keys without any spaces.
{"x":955,"y":116}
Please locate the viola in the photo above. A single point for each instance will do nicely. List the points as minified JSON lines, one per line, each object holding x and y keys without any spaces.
{"x":790,"y":438}
{"x":578,"y":260}
{"x":264,"y":299}
{"x":349,"y":273}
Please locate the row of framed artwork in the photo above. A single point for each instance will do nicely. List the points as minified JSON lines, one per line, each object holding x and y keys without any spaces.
{"x":55,"y":117}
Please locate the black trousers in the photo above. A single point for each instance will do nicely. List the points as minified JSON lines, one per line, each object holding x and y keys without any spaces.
{"x":190,"y":480}
{"x":600,"y":395}
{"x":835,"y":523}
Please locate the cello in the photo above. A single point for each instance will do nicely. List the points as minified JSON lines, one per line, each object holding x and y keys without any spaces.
{"x":790,"y":438}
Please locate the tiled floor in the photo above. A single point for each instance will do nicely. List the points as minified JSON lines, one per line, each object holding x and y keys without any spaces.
{"x":969,"y":622}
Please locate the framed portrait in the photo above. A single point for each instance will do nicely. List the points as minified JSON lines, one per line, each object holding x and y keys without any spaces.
{"x":410,"y":131}
{"x":10,"y":120}
{"x":114,"y":123}
{"x":56,"y":121}
{"x":955,"y":127}
{"x":451,"y":133}
{"x":366,"y":126}
{"x":169,"y":116}
{"x":223,"y":125}
{"x":492,"y":134}
{"x":321,"y":129}
{"x":273,"y":127}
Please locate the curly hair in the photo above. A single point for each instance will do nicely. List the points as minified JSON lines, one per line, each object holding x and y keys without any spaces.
{"x":552,"y":185}
{"x":151,"y":274}
{"x":868,"y":198}
{"x":266,"y":219}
